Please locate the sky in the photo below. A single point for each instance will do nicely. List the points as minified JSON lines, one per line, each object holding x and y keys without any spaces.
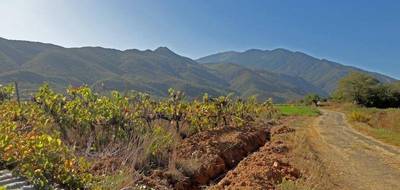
{"x":360,"y":33}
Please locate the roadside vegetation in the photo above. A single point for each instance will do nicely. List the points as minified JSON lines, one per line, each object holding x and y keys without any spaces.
{"x":371,"y":106}
{"x":81,"y":140}
{"x":382,"y":124}
{"x":297,"y":110}
{"x":303,"y":155}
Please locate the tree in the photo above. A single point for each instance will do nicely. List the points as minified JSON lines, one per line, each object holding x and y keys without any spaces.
{"x":312,"y":99}
{"x":356,"y":88}
{"x":367,"y":91}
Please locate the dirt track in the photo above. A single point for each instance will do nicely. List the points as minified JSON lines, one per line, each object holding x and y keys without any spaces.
{"x":355,"y":160}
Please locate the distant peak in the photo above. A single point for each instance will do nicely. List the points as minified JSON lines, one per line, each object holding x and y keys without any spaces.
{"x":164,"y":51}
{"x":282,"y":50}
{"x":253,"y":51}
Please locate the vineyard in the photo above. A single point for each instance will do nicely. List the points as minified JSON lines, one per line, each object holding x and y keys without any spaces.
{"x":79,"y":138}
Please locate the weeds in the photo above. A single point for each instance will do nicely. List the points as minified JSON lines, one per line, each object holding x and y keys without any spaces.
{"x":359,"y":117}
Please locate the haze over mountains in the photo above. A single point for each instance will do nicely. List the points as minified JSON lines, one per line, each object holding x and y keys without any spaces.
{"x":322,"y":73}
{"x":280,"y":74}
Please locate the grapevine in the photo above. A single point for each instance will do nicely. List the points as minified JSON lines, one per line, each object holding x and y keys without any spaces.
{"x":51,"y":138}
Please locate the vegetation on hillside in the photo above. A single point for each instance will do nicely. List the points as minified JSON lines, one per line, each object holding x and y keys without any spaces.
{"x":264,"y":84}
{"x":77,"y":138}
{"x":279,"y":74}
{"x":321,"y":73}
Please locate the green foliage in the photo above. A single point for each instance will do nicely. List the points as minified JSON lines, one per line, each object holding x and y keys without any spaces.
{"x":365,"y":90}
{"x":297,"y":110}
{"x":355,"y":87}
{"x":161,"y":140}
{"x":28,"y":143}
{"x":226,"y":111}
{"x":312,"y":99}
{"x":6,"y":92}
{"x":42,"y":138}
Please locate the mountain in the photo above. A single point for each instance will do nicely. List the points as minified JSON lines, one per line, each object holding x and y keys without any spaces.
{"x":263,"y":83}
{"x":32,"y":63}
{"x":319,"y":72}
{"x":280,"y":74}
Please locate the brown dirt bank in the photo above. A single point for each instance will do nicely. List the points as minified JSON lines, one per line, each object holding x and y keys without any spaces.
{"x":204,"y":157}
{"x":265,"y":169}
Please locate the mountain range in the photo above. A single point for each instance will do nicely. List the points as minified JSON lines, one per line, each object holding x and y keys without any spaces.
{"x":321,"y":73}
{"x":280,"y":74}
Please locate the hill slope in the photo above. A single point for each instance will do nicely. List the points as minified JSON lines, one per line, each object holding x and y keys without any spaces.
{"x":264,"y":84}
{"x":33,"y":63}
{"x":154,"y":71}
{"x":320,"y":72}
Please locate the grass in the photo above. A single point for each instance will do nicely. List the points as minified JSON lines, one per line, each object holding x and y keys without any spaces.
{"x":385,"y":135}
{"x":304,"y":156}
{"x":289,"y":185}
{"x":297,"y":110}
{"x":117,"y":181}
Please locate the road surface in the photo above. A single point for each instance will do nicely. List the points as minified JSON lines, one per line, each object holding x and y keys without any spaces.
{"x":354,"y":160}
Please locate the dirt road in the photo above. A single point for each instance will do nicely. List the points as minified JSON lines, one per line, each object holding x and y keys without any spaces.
{"x":355,"y":160}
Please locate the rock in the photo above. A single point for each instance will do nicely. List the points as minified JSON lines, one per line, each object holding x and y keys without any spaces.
{"x":275,"y":165}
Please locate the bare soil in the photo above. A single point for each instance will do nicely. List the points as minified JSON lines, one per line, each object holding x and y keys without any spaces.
{"x":265,"y":169}
{"x":205,"y":157}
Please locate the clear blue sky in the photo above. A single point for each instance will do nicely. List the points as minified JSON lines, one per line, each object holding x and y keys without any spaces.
{"x":357,"y":32}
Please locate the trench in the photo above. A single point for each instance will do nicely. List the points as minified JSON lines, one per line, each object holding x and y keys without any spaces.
{"x":227,"y":155}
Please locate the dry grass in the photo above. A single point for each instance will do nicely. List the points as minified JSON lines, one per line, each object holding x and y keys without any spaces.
{"x":304,"y":156}
{"x":119,"y":180}
{"x":382,"y":124}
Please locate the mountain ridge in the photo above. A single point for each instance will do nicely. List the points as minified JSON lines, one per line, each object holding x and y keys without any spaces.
{"x":150,"y":71}
{"x":320,"y":72}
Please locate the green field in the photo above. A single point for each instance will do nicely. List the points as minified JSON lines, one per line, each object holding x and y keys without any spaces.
{"x":297,"y":110}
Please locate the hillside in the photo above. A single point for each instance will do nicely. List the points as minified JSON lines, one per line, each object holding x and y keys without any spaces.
{"x":32,"y":63}
{"x":279,"y":74}
{"x":319,"y":72}
{"x":264,"y":84}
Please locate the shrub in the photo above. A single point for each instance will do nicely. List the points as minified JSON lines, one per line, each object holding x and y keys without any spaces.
{"x":43,"y":138}
{"x":6,"y":92}
{"x":312,"y":99}
{"x":28,"y":143}
{"x":359,"y":116}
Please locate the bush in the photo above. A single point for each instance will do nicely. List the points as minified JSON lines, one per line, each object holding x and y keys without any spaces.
{"x":312,"y":99}
{"x":6,"y":92}
{"x":359,"y":117}
{"x":27,"y":143}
